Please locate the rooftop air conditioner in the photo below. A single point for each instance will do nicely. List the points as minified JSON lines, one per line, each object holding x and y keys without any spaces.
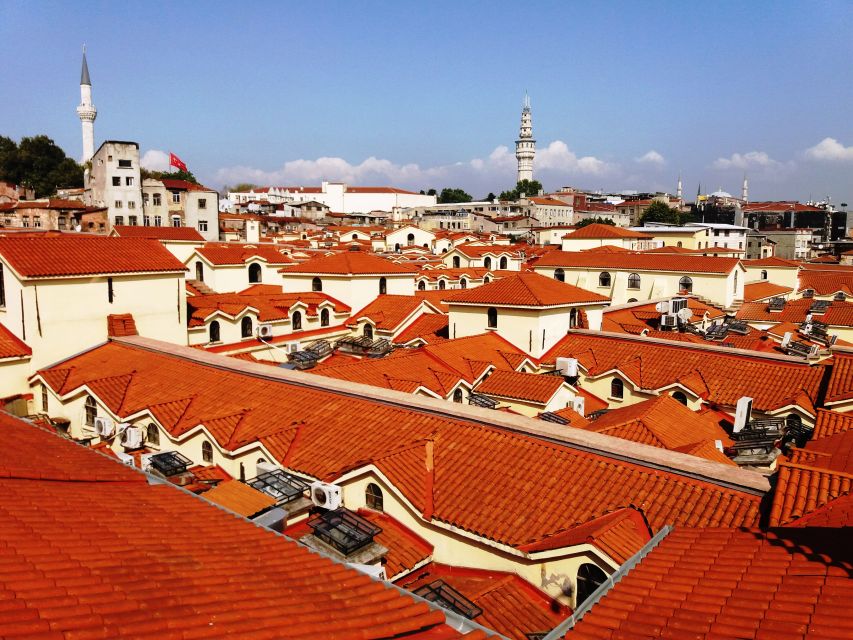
{"x":568,"y":367}
{"x":133,"y":438}
{"x":578,"y":404}
{"x":669,"y":320}
{"x":786,"y":339}
{"x":325,"y":495}
{"x":677,"y":304}
{"x":264,"y":330}
{"x":104,"y":427}
{"x":743,"y":411}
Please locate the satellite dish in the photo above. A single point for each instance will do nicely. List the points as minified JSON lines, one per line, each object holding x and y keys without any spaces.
{"x":662,"y":306}
{"x":685,"y":314}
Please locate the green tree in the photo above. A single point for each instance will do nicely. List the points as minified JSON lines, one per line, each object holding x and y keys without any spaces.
{"x":528,"y":187}
{"x":595,"y":220}
{"x":659,"y":211}
{"x":242,"y":186}
{"x":170,"y":175}
{"x":490,"y":197}
{"x":453,"y":195}
{"x":38,"y":163}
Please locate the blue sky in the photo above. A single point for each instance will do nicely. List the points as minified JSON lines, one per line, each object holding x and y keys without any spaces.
{"x":626,"y":95}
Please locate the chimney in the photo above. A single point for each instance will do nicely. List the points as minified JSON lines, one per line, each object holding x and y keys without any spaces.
{"x":253,"y":232}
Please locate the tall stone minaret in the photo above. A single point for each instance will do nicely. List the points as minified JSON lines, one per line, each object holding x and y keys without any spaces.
{"x":744,"y":192}
{"x":86,"y":111}
{"x":679,"y":191}
{"x":525,"y":146}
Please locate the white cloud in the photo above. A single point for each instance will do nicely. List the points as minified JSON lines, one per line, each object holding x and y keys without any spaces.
{"x":750,"y":160}
{"x":495,"y":171}
{"x":651,"y":157}
{"x":830,"y":149}
{"x":155,"y":160}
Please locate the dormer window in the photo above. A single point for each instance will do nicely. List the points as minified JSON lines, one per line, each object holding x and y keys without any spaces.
{"x":492,"y":318}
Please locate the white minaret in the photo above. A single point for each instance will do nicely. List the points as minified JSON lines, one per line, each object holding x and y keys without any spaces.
{"x":678,"y":189}
{"x":744,"y":192}
{"x":525,"y":146}
{"x":86,"y":111}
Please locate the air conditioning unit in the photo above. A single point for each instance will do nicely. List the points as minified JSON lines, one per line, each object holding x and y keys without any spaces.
{"x":325,"y":495}
{"x":125,"y":458}
{"x":133,"y":438}
{"x":568,"y":367}
{"x":677,"y":304}
{"x":265,"y":331}
{"x":578,"y":405}
{"x":743,"y":412}
{"x":786,"y":339}
{"x":104,"y":427}
{"x":668,"y":320}
{"x":293,"y":348}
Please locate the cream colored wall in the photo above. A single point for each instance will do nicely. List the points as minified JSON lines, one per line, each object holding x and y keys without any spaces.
{"x":357,"y":291}
{"x":65,"y":316}
{"x":13,"y":376}
{"x":580,"y":244}
{"x":232,"y":278}
{"x":688,"y":239}
{"x":783,"y":276}
{"x":182,"y":251}
{"x":422,"y":237}
{"x":562,"y":399}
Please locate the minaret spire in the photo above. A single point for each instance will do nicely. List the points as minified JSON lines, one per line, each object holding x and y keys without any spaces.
{"x":525,"y":146}
{"x":744,"y":193}
{"x":678,"y":189}
{"x":86,"y":111}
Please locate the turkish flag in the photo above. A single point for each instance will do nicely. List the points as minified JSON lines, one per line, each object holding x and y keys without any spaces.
{"x":175,"y":161}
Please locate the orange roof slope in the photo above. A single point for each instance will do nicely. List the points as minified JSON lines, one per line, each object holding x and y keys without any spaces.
{"x":731,"y":583}
{"x":638,"y":261}
{"x":825,"y":283}
{"x":840,"y":385}
{"x":159,"y":233}
{"x":350,"y":263}
{"x":44,"y":257}
{"x":238,"y":253}
{"x":526,"y":289}
{"x":120,"y":325}
{"x":483,"y":479}
{"x":11,"y":346}
{"x":838,"y":314}
{"x":268,"y":304}
{"x":802,"y":488}
{"x":772,"y":383}
{"x":73,"y":564}
{"x":388,"y":311}
{"x":510,"y":605}
{"x":406,"y":549}
{"x":239,"y":497}
{"x":763,"y":290}
{"x":527,"y":387}
{"x":597,"y":230}
{"x":430,"y":327}
{"x":663,"y":422}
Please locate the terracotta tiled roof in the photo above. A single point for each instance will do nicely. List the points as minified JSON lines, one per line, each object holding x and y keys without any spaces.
{"x":840,"y":385}
{"x":269,"y":305}
{"x":11,"y":346}
{"x":159,"y":233}
{"x":764,"y":290}
{"x":480,"y":250}
{"x":731,"y":583}
{"x":430,"y":328}
{"x":825,"y":283}
{"x":839,"y":314}
{"x":406,"y":549}
{"x":183,"y":185}
{"x":99,"y":580}
{"x":828,"y":423}
{"x":835,"y":513}
{"x":637,"y":318}
{"x":597,"y":230}
{"x":638,"y":262}
{"x":771,"y":261}
{"x":526,"y":289}
{"x":481,"y":479}
{"x":527,"y":387}
{"x":350,"y":263}
{"x":510,"y":605}
{"x":662,"y":422}
{"x":778,"y":207}
{"x":120,"y":325}
{"x":236,"y":253}
{"x":388,"y":312}
{"x":802,"y":488}
{"x":240,"y":498}
{"x":773,"y":383}
{"x":575,"y":419}
{"x":45,"y":257}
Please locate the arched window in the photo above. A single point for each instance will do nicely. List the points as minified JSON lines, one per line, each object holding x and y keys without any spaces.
{"x":604,"y":279}
{"x":503,"y":263}
{"x":324,"y":317}
{"x":296,"y":321}
{"x":421,"y":286}
{"x":486,"y":279}
{"x":442,"y":284}
{"x":678,"y":244}
{"x":316,"y":284}
{"x":397,"y":247}
{"x":634,"y":281}
{"x":355,"y":236}
{"x":560,"y":275}
{"x":685,"y":285}
{"x":590,"y":577}
{"x":617,"y":388}
{"x":793,"y":421}
{"x":246,"y":327}
{"x":410,"y":239}
{"x":206,"y":451}
{"x":764,"y":274}
{"x":91,"y":411}
{"x":492,"y":318}
{"x":152,"y":434}
{"x":199,"y":271}
{"x":373,"y":497}
{"x":463,"y":283}
{"x":487,"y":263}
{"x":368,"y":331}
{"x":630,"y":300}
{"x":214,"y":331}
{"x":383,"y":286}
{"x":680,"y":396}
{"x":457,"y":396}
{"x":456,"y":262}
{"x":735,"y":282}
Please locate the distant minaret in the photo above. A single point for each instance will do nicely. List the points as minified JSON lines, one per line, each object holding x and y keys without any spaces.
{"x":86,"y":111}
{"x":525,"y":146}
{"x":744,"y":193}
{"x":678,"y":189}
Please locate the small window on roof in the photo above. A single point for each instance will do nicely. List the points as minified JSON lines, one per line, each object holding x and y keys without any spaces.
{"x":764,"y":274}
{"x":373,"y":497}
{"x":206,"y":451}
{"x":324,"y":317}
{"x":604,"y":279}
{"x":457,"y":396}
{"x":634,"y":281}
{"x":152,"y":434}
{"x":492,"y":318}
{"x":590,"y":577}
{"x":559,"y":275}
{"x":91,"y":411}
{"x":617,"y":388}
{"x":680,"y":396}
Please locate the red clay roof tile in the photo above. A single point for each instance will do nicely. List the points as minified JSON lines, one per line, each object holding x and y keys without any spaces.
{"x":159,"y":233}
{"x":11,"y":346}
{"x":350,"y":263}
{"x":638,"y":262}
{"x":526,"y":289}
{"x":240,"y":498}
{"x":527,"y":387}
